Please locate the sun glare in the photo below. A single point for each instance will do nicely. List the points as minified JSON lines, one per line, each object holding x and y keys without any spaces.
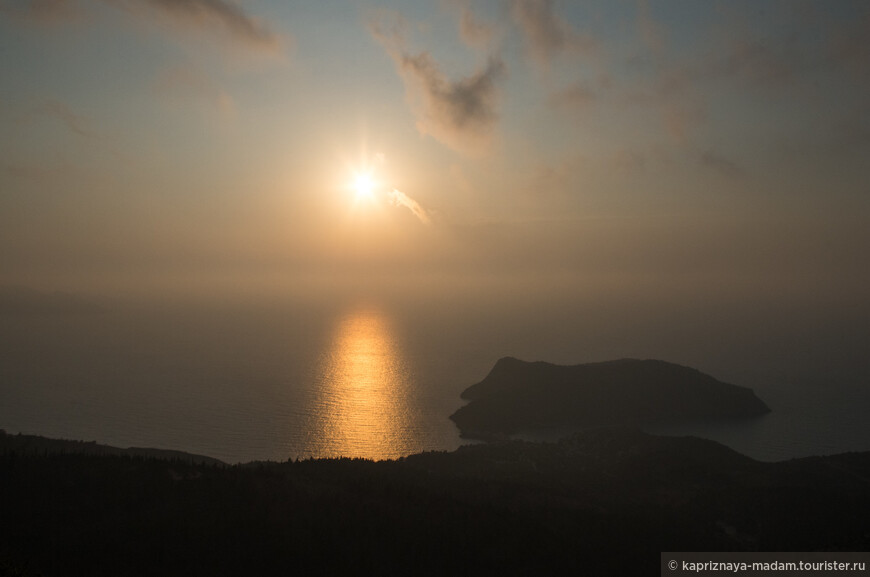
{"x":364,"y":186}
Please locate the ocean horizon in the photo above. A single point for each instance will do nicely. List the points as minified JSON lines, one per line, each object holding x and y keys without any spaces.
{"x":246,"y":380}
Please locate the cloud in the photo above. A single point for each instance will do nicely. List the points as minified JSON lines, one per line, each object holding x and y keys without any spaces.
{"x":20,"y":171}
{"x":187,"y":83}
{"x":627,"y":160}
{"x":545,"y":34}
{"x":652,"y":33}
{"x":60,"y":111}
{"x":579,"y":95}
{"x":778,"y":53}
{"x":399,"y":198}
{"x":679,"y":86}
{"x":458,"y":113}
{"x":848,"y":46}
{"x":243,"y":29}
{"x":389,"y":28}
{"x":756,"y":62}
{"x":39,"y":11}
{"x":460,"y":180}
{"x":237,"y":25}
{"x":720,"y":164}
{"x":844,"y":136}
{"x":461,"y":114}
{"x":473,"y":31}
{"x":682,"y":116}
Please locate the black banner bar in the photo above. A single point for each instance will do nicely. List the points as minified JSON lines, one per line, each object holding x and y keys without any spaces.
{"x":765,"y":564}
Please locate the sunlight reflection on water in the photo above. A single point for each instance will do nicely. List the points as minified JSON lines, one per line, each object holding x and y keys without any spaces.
{"x":361,"y":405}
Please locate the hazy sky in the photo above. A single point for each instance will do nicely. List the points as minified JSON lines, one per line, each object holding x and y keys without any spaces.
{"x":719,"y":144}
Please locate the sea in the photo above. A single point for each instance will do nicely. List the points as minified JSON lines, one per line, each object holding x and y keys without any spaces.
{"x":377,"y":376}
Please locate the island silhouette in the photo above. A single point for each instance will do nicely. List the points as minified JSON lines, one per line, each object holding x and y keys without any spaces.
{"x":521,"y":396}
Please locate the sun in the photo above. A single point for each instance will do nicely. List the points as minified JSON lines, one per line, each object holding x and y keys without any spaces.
{"x":364,"y":185}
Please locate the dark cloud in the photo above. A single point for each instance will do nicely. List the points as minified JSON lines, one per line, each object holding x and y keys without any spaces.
{"x":456,"y":112}
{"x":459,"y":113}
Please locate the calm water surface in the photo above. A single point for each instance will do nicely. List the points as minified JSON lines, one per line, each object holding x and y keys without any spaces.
{"x":378,"y":379}
{"x":362,"y":402}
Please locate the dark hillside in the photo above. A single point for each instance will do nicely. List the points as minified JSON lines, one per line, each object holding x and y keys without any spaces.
{"x":603,"y":502}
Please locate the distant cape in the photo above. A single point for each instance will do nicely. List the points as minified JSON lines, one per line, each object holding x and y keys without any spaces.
{"x":36,"y":445}
{"x":518,"y":396}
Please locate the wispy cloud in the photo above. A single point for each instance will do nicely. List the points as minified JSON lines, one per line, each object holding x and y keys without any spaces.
{"x":476,"y":32}
{"x":546,"y":35}
{"x":579,"y":95}
{"x":399,"y":198}
{"x":462,"y":113}
{"x":242,"y":29}
{"x":60,"y":111}
{"x":39,"y":11}
{"x":29,"y":172}
{"x":472,"y":30}
{"x":757,"y":63}
{"x":849,"y":47}
{"x":682,"y":116}
{"x":652,"y":33}
{"x":191,"y":84}
{"x":720,"y":164}
{"x":237,"y":24}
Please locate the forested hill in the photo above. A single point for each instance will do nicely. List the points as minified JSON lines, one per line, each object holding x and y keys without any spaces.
{"x":603,"y":502}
